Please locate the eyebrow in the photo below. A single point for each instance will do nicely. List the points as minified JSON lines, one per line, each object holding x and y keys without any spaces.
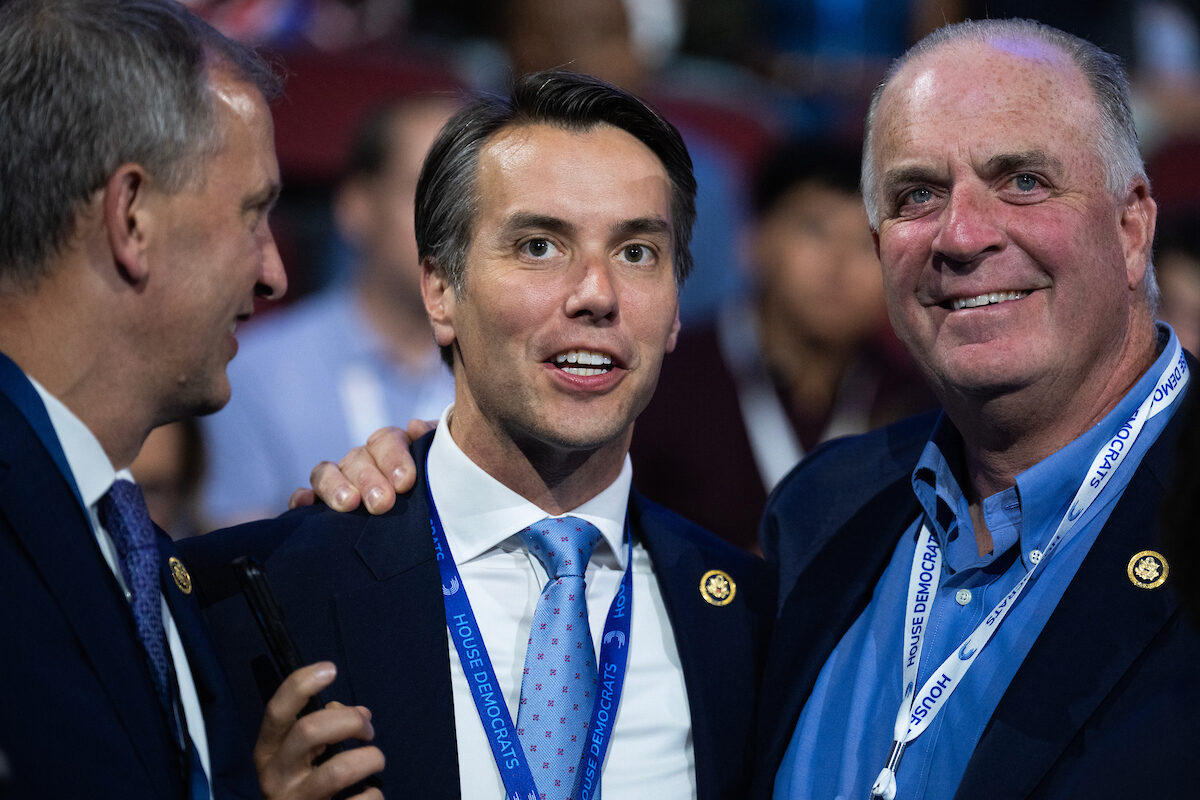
{"x":642,"y":226}
{"x":524,"y":220}
{"x":263,"y":198}
{"x":1016,"y":162}
{"x":907,"y":175}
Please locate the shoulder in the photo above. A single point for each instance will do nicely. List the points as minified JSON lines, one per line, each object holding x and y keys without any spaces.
{"x":655,"y":519}
{"x":311,"y":543}
{"x":852,"y":468}
{"x":673,"y":541}
{"x":833,"y":484}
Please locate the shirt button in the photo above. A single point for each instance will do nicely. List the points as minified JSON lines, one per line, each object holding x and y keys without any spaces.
{"x":963,"y":596}
{"x":1035,"y":556}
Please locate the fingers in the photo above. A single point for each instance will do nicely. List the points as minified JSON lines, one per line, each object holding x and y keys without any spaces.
{"x":301,"y":498}
{"x":419,"y":427}
{"x":372,"y":475}
{"x":287,"y":746}
{"x":332,"y":487}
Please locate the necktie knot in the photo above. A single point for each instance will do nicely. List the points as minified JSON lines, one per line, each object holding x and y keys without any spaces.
{"x":124,"y":514}
{"x":563,"y":544}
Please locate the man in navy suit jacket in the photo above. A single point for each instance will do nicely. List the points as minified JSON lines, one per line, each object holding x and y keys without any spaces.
{"x":978,"y":604}
{"x":553,"y":228}
{"x":138,"y":165}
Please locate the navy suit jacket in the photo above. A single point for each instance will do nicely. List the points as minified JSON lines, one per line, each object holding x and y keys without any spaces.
{"x":1105,"y":703}
{"x":365,"y":593}
{"x":81,"y":717}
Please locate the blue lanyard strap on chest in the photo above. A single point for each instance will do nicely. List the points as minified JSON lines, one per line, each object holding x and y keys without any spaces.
{"x":486,"y":690}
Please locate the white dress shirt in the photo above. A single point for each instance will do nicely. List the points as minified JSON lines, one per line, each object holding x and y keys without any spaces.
{"x":94,"y":475}
{"x":650,"y":754}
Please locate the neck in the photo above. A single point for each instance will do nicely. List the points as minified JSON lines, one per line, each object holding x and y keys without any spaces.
{"x":51,"y":337}
{"x":1007,"y":434}
{"x":555,"y":479}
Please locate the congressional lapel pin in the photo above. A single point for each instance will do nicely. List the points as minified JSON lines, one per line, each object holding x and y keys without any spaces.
{"x":717,"y":588}
{"x":1147,"y":570}
{"x":179,"y":572}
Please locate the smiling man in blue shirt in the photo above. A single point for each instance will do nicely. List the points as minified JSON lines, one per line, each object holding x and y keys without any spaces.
{"x":983,"y":608}
{"x":976,"y":603}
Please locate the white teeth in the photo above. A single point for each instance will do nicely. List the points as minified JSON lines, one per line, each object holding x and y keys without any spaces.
{"x":584,"y":357}
{"x":985,"y":300}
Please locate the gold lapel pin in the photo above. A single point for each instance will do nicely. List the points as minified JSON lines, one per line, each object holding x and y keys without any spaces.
{"x":717,"y":588}
{"x":179,"y":572}
{"x":1147,"y":570}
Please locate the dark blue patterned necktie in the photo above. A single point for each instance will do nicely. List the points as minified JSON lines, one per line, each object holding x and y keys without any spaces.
{"x":123,"y":512}
{"x":124,"y":515}
{"x":559,"y":684}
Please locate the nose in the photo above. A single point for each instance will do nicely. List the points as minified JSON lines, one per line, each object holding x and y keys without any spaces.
{"x":593,"y":293}
{"x":969,"y":227}
{"x":272,"y":278}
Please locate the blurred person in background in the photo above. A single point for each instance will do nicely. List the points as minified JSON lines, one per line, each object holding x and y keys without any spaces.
{"x":368,"y":356}
{"x":805,"y":358}
{"x":1177,"y":263}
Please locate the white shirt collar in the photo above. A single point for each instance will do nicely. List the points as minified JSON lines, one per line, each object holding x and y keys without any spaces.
{"x":478,"y":512}
{"x":90,"y":466}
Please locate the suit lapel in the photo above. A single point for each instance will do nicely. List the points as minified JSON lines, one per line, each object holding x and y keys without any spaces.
{"x":227,"y":745}
{"x":395,"y":649}
{"x":828,"y":596}
{"x":1102,"y":620}
{"x":46,"y":517}
{"x":717,"y":651}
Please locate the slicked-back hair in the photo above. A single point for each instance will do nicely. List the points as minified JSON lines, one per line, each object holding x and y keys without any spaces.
{"x":1117,"y":137}
{"x":88,"y":85}
{"x":448,"y":201}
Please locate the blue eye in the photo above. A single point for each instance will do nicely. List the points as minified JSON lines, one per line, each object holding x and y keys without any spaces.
{"x":1025,"y":183}
{"x":920,"y":195}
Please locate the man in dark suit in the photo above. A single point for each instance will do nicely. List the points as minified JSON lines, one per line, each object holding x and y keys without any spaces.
{"x":553,"y":229}
{"x":977,"y":604}
{"x":138,"y":165}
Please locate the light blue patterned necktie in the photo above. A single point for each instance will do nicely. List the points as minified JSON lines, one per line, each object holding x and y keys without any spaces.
{"x":559,"y":684}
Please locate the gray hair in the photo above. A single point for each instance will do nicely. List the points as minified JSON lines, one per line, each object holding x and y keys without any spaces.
{"x":87,"y":85}
{"x":1118,"y":139}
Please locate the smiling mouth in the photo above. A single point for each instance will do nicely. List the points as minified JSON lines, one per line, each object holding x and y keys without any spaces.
{"x":583,"y":363}
{"x":989,"y":299}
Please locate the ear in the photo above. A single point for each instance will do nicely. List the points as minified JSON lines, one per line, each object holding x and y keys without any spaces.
{"x":440,"y":300}
{"x":673,"y":337}
{"x":125,"y":201}
{"x":875,"y":241}
{"x":1139,"y":213}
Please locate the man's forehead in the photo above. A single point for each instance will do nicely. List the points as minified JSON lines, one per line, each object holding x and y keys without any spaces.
{"x":995,"y":66}
{"x":989,"y":98}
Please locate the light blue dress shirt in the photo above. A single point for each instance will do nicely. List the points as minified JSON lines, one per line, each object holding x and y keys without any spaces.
{"x":845,"y":730}
{"x":309,"y":383}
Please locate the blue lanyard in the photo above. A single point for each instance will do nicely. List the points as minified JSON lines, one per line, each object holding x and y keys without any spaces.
{"x":486,"y":691}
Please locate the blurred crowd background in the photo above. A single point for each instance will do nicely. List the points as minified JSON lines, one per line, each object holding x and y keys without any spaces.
{"x":786,"y":341}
